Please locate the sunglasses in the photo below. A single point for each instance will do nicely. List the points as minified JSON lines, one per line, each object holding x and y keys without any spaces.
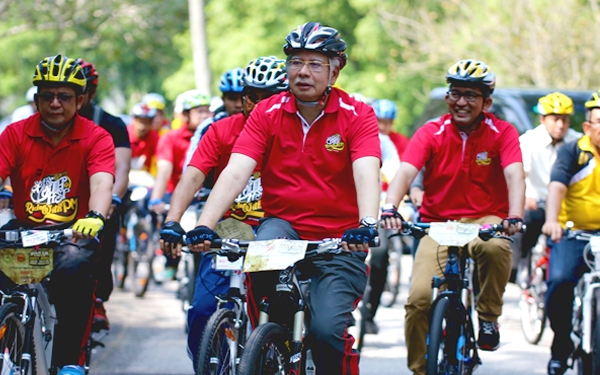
{"x":63,"y":98}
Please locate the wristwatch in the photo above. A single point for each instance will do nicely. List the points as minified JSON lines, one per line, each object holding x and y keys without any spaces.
{"x":368,"y":221}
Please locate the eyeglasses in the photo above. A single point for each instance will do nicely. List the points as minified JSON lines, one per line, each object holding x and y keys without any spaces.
{"x":256,"y":97}
{"x":470,"y":96}
{"x":313,"y":65}
{"x":63,"y":98}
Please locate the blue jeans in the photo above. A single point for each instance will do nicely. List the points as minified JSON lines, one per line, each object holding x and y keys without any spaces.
{"x":566,"y":268}
{"x":209,"y":283}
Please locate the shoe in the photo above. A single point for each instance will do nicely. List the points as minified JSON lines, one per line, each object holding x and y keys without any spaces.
{"x":100,"y":321}
{"x":557,"y":367}
{"x":71,"y":370}
{"x":489,"y":336}
{"x":371,"y":327}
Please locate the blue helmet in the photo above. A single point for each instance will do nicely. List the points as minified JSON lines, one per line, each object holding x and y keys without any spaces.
{"x":231,"y":81}
{"x":385,"y":109}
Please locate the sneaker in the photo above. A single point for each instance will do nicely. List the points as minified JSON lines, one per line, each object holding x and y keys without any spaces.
{"x":71,"y":370}
{"x":100,"y":321}
{"x":557,"y":367}
{"x":371,"y":327}
{"x":489,"y":336}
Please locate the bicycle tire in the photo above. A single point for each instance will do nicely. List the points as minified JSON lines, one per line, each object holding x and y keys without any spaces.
{"x":436,"y":360}
{"x":214,"y":354}
{"x":391,"y":289}
{"x":595,"y":355}
{"x":12,"y":339}
{"x":266,"y":352}
{"x":119,"y":267}
{"x":533,"y":315}
{"x":139,"y":272}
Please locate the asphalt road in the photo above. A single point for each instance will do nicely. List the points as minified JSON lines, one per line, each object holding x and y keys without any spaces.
{"x":147,"y":337}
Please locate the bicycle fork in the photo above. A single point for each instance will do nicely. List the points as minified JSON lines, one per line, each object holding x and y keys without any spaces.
{"x":588,"y":297}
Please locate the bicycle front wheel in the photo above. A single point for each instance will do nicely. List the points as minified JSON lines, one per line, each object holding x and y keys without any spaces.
{"x":221,"y":345}
{"x":12,"y":339}
{"x":266,"y":351}
{"x":596,"y":334}
{"x":438,"y":360}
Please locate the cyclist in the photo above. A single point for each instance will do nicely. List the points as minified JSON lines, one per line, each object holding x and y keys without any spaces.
{"x":118,"y":131}
{"x":318,"y":146}
{"x":28,"y":109}
{"x":61,"y":167}
{"x":473,"y":173}
{"x":539,"y":147}
{"x":143,"y":137}
{"x":232,"y":86}
{"x":173,"y":146}
{"x":262,"y":78}
{"x":385,"y":110}
{"x":573,"y":195}
{"x":156,"y":101}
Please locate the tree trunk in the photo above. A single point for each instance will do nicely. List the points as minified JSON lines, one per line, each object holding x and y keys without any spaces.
{"x":199,"y":49}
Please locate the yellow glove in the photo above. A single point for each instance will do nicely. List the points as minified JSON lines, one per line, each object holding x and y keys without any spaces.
{"x":90,"y":225}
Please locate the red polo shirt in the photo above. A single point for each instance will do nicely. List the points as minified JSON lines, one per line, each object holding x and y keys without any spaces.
{"x":172,"y":147}
{"x":464,"y":175}
{"x":307,"y":178}
{"x":143,"y":147}
{"x":51,"y":183}
{"x":400,"y":141}
{"x":214,"y":151}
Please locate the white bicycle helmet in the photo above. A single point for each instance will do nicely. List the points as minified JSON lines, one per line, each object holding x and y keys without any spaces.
{"x":266,"y":73}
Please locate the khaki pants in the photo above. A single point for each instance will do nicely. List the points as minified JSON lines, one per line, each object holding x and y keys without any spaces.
{"x":494,"y":262}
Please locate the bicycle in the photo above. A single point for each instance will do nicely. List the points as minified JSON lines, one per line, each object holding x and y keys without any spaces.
{"x":225,"y":333}
{"x":533,"y":299}
{"x":451,"y":342}
{"x":586,"y":307}
{"x":276,"y":345}
{"x":27,"y":318}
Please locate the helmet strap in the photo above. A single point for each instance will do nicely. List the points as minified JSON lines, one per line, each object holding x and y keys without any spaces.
{"x":323,"y":99}
{"x":56,"y":131}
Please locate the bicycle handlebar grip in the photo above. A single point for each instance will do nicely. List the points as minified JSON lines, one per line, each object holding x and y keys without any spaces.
{"x":68,"y":232}
{"x":375,"y":242}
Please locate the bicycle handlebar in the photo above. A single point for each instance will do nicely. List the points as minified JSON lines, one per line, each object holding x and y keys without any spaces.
{"x":486,"y":231}
{"x":14,"y":237}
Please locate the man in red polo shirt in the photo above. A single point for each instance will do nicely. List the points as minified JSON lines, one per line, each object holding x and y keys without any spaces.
{"x":319,"y":156}
{"x":172,"y":147}
{"x":143,"y":138}
{"x":262,"y":78}
{"x":473,"y":173}
{"x":61,"y":167}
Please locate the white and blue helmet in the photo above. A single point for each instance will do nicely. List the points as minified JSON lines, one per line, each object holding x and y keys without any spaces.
{"x":231,"y":81}
{"x":385,"y":109}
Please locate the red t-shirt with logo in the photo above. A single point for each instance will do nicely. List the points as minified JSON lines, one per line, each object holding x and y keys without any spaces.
{"x":307,"y":179}
{"x":464,"y":175}
{"x":214,"y":151}
{"x":51,"y":183}
{"x":143,"y":147}
{"x":172,"y":147}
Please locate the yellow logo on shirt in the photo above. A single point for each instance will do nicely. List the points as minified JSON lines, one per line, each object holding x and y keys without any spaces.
{"x":49,"y":200}
{"x":483,"y":159}
{"x":334,"y":143}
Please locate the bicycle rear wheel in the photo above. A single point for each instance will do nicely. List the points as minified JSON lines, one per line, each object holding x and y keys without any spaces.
{"x":533,"y":315}
{"x":139,"y":271}
{"x":12,"y":340}
{"x":392,"y":283}
{"x":221,"y":345}
{"x":266,"y":351}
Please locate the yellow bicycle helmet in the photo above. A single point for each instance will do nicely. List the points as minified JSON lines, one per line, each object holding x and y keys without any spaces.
{"x":472,"y":72}
{"x":555,"y":103}
{"x":593,"y":101}
{"x":60,"y":70}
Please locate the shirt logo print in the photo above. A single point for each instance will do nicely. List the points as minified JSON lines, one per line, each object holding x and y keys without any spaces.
{"x":49,"y":200}
{"x":483,"y":159}
{"x":334,"y":143}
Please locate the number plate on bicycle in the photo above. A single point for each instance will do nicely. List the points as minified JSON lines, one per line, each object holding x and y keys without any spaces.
{"x":273,"y":255}
{"x":223,"y":264}
{"x":595,"y":244}
{"x":26,"y":266}
{"x":453,"y":233}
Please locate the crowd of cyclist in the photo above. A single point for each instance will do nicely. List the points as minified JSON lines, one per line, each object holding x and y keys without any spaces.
{"x":291,"y":155}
